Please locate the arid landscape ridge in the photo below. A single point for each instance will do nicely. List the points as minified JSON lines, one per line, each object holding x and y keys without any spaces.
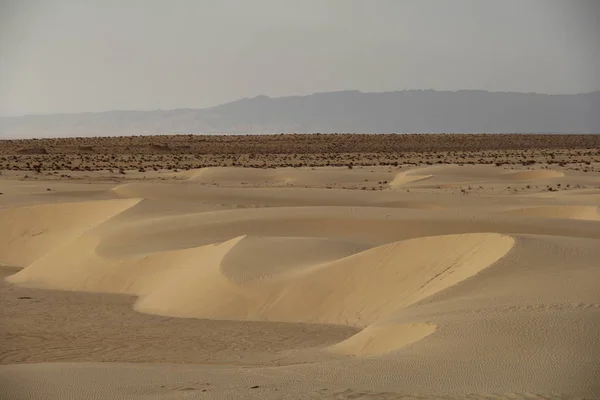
{"x":407,"y":111}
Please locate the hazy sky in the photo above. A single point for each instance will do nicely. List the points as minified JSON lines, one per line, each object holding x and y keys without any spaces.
{"x":94,"y":55}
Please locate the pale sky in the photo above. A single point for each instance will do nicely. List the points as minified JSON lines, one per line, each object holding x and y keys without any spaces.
{"x":61,"y":56}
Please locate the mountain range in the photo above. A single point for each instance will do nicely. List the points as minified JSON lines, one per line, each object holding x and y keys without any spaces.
{"x":407,"y":111}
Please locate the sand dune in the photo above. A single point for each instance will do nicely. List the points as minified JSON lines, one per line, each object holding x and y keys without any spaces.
{"x":357,"y":290}
{"x":273,"y":257}
{"x":567,"y":212}
{"x":235,"y":176}
{"x":533,"y":175}
{"x":471,"y":174}
{"x":403,"y":178}
{"x":29,"y":232}
{"x":380,"y":339}
{"x":285,"y":177}
{"x":265,"y":197}
{"x":382,"y":293}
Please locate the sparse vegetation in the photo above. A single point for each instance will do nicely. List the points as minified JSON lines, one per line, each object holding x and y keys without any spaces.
{"x":185,"y":152}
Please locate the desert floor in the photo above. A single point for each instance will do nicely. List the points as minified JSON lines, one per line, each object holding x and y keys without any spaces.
{"x":391,"y":281}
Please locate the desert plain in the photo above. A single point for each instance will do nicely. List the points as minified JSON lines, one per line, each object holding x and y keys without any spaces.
{"x":300,"y":267}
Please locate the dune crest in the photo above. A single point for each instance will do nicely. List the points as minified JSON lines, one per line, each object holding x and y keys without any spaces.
{"x":78,"y":267}
{"x":356,"y":290}
{"x":402,"y":178}
{"x":380,"y":339}
{"x":274,"y":257}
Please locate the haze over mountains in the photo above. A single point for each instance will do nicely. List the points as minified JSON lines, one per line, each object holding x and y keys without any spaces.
{"x":465,"y":111}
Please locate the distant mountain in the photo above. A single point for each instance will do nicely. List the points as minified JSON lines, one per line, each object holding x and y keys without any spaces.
{"x":415,"y":111}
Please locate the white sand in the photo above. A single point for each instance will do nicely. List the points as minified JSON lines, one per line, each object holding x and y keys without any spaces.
{"x":417,"y":289}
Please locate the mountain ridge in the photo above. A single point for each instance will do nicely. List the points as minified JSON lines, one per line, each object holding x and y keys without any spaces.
{"x":351,"y":111}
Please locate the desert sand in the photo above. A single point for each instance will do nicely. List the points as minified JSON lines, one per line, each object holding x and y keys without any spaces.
{"x":391,"y":281}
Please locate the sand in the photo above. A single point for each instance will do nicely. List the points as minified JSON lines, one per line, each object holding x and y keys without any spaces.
{"x":446,"y":281}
